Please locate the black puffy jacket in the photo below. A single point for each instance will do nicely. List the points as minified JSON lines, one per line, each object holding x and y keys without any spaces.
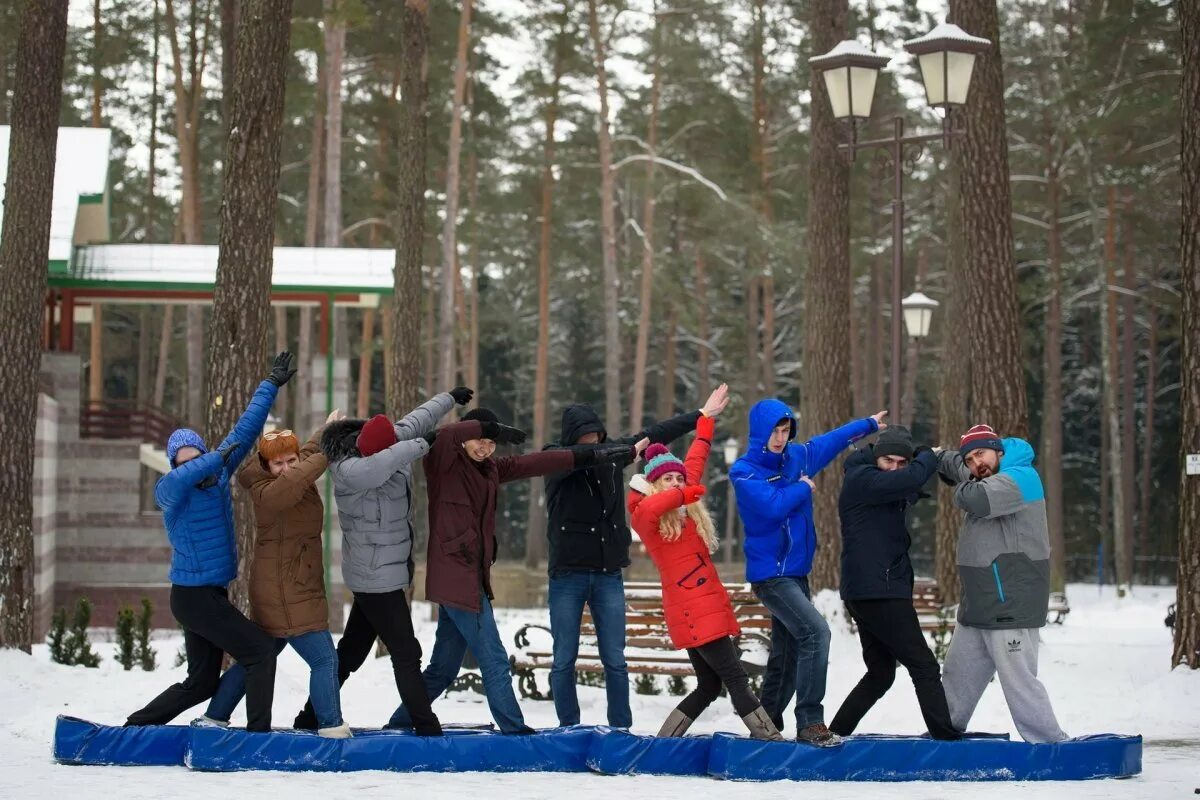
{"x":587,"y":527}
{"x":875,"y":540}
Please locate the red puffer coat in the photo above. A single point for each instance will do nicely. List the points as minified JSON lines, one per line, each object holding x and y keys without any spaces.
{"x":694,"y":599}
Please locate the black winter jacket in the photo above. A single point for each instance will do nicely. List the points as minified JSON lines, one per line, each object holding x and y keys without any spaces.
{"x":587,"y":527}
{"x":875,"y":540}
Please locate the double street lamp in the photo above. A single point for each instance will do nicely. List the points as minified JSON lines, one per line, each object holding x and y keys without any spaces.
{"x":946,"y":56}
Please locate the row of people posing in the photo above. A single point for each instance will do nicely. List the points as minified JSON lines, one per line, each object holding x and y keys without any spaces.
{"x":370,"y":463}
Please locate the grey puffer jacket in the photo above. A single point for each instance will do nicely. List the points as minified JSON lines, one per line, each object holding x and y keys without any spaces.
{"x":373,"y":497}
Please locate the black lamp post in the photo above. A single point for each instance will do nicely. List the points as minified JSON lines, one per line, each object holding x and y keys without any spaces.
{"x":947,"y":58}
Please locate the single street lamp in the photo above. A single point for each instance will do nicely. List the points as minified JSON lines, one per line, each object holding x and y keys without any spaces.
{"x":732,"y":449}
{"x":918,"y":312}
{"x":947,"y":59}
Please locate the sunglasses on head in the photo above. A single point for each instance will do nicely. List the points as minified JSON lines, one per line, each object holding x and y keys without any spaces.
{"x":273,"y":435}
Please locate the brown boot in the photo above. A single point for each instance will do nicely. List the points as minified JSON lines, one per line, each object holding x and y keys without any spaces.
{"x":819,"y":736}
{"x":761,"y":727}
{"x":677,"y":724}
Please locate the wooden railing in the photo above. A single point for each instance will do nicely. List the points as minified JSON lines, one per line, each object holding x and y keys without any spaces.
{"x":126,"y":420}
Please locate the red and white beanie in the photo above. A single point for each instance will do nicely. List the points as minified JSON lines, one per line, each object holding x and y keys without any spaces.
{"x":979,"y":436}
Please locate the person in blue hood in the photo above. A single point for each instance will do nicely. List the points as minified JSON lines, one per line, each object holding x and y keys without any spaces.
{"x":773,"y":485}
{"x":197,"y":511}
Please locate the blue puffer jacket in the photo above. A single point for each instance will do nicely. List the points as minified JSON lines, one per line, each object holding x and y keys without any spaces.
{"x":199,"y":521}
{"x":774,"y":504}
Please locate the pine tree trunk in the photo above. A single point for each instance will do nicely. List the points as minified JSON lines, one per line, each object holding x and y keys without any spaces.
{"x":145,"y":389}
{"x":703,"y":327}
{"x":335,"y":51}
{"x":1128,"y":373}
{"x":953,"y":388}
{"x":314,"y":225}
{"x":96,"y":355}
{"x":640,"y":352}
{"x":998,"y":391}
{"x":282,"y":406}
{"x":24,"y":255}
{"x":366,"y":357}
{"x":447,"y":376}
{"x":1187,"y":608}
{"x":608,"y":233}
{"x":666,"y":393}
{"x":1148,"y":421}
{"x":97,"y":76}
{"x":766,"y":214}
{"x":242,"y":295}
{"x":912,"y":353}
{"x":826,"y":398}
{"x":152,"y":169}
{"x":410,"y":217}
{"x":473,"y":288}
{"x":229,"y":16}
{"x":535,"y":538}
{"x":164,"y":355}
{"x":1111,"y":400}
{"x":1051,"y":456}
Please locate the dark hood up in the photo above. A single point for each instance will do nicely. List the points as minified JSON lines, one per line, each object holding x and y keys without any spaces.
{"x":578,"y":421}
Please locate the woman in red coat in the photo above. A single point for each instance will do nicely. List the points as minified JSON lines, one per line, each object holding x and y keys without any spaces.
{"x":670,"y":518}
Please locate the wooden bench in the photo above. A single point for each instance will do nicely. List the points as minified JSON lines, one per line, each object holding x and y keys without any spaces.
{"x":648,"y":647}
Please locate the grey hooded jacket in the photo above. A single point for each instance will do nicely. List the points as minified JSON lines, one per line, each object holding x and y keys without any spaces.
{"x":373,"y":497}
{"x":1004,"y":543}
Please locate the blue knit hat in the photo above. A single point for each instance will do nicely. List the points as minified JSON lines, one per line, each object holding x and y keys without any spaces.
{"x":184,"y":437}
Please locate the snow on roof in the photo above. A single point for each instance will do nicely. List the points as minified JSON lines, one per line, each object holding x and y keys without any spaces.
{"x":849,"y":49}
{"x":365,"y":270}
{"x":947,"y":31}
{"x":81,"y":169}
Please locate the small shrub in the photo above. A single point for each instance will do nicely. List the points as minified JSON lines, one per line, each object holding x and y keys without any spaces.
{"x":144,"y":653}
{"x":941,"y":637}
{"x":125,"y":643}
{"x":595,"y":679}
{"x":57,"y":638}
{"x":77,"y":640}
{"x":646,"y":684}
{"x":677,"y":686}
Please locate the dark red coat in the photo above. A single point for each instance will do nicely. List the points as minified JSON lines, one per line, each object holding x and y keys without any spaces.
{"x":695,"y":603}
{"x":462,"y":512}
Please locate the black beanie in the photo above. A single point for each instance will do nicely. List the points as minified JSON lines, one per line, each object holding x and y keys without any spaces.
{"x":896,"y":440}
{"x":481,"y":415}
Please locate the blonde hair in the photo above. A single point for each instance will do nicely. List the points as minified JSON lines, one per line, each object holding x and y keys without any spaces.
{"x":670,"y":526}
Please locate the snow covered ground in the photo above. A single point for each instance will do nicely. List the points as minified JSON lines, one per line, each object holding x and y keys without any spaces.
{"x":1106,"y":669}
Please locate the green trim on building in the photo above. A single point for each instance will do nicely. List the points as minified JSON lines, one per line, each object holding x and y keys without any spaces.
{"x":73,"y":281}
{"x":91,"y":199}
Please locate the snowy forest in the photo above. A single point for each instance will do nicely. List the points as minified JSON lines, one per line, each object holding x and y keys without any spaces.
{"x":625,"y":204}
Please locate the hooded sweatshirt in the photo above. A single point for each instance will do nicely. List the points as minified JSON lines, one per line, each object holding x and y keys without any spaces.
{"x":587,"y":528}
{"x":774,"y":504}
{"x":1004,"y":543}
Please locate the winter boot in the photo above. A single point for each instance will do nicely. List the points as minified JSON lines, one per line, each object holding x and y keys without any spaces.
{"x":761,"y":727}
{"x":677,"y":724}
{"x":208,"y":722}
{"x":340,"y":732}
{"x":819,"y":736}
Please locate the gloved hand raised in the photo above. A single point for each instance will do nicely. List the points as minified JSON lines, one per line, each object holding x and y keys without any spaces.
{"x":227,"y":451}
{"x":283,"y":369}
{"x":462,"y":395}
{"x":692,"y":493}
{"x":587,"y":455}
{"x":502,"y":434}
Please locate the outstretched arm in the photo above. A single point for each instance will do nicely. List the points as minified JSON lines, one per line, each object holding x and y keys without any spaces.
{"x":174,"y":486}
{"x":878,"y":487}
{"x":697,"y":454}
{"x":816,"y":454}
{"x":424,"y":417}
{"x":249,"y":426}
{"x":358,"y":474}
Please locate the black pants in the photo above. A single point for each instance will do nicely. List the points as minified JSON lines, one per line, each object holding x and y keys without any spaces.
{"x":387,"y":616}
{"x":718,"y":663}
{"x":211,"y":628}
{"x":890,"y":632}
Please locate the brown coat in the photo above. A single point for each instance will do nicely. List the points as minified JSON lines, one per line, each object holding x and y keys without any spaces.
{"x":462,"y":512}
{"x":287,"y":579}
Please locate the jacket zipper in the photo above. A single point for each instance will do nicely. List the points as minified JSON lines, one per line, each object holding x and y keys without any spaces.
{"x":996,"y":575}
{"x":787,"y":533}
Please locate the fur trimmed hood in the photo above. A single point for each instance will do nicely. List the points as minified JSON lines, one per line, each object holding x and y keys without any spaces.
{"x":340,"y":439}
{"x":639,"y":484}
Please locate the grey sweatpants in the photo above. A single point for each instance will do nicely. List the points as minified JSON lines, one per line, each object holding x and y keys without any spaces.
{"x":976,"y":655}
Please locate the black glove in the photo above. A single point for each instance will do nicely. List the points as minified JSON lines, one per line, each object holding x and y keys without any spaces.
{"x":283,"y":369}
{"x":587,"y":455}
{"x":922,"y":449}
{"x":227,"y":451}
{"x":462,"y":395}
{"x":502,"y":434}
{"x":430,"y":436}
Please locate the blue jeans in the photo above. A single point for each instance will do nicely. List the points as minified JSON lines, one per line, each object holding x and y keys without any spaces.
{"x":458,"y":630}
{"x":799,"y":651}
{"x":604,"y":594}
{"x":316,"y":648}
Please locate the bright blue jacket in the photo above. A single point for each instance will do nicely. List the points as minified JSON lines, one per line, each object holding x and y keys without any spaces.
{"x":774,"y":504}
{"x":199,"y":521}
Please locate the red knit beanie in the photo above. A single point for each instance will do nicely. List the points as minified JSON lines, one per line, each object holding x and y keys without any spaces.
{"x":660,"y":461}
{"x":979,"y":436}
{"x":376,"y":435}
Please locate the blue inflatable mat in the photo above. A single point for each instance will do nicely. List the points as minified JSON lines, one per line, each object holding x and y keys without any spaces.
{"x":77,"y":741}
{"x":556,"y":750}
{"x":897,"y":758}
{"x":618,"y":752}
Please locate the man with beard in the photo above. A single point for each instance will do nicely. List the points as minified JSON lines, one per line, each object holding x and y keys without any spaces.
{"x":1004,"y":565}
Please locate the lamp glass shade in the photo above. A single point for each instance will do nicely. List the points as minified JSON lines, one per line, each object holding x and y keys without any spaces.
{"x":851,"y":90}
{"x":732,"y":449}
{"x":918,"y":313}
{"x":943,"y":67}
